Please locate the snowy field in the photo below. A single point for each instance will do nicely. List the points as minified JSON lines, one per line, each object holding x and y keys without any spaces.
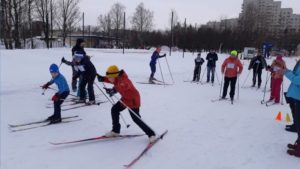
{"x":202,"y":134}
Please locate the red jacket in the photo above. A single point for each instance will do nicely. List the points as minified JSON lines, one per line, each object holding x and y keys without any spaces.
{"x":233,"y":67}
{"x":130,"y":95}
{"x":277,"y":67}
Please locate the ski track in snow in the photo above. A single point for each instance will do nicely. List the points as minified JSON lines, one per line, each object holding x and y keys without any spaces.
{"x":202,"y":134}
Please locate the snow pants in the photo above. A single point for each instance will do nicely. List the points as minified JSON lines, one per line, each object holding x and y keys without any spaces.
{"x":197,"y":72}
{"x":256,"y":73}
{"x":57,"y":109}
{"x":90,"y":87}
{"x":275,"y":89}
{"x":295,"y":108}
{"x":232,"y":82}
{"x":153,"y":70}
{"x":115,"y":115}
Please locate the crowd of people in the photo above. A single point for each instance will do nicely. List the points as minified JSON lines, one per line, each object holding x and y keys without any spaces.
{"x":84,"y":74}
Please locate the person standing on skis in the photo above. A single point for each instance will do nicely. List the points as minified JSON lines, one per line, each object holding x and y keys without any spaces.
{"x":231,"y":68}
{"x":211,"y":58}
{"x":293,"y":94}
{"x":59,"y":97}
{"x":152,"y":64}
{"x":130,"y":99}
{"x":258,"y":63}
{"x":276,"y":69}
{"x":197,"y":70}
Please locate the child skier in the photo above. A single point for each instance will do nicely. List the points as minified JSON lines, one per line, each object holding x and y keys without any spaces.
{"x":258,"y":63}
{"x":232,"y":68}
{"x":59,"y":97}
{"x":294,"y":94}
{"x":130,"y":99}
{"x":154,"y":58}
{"x":197,"y":70}
{"x":276,"y":69}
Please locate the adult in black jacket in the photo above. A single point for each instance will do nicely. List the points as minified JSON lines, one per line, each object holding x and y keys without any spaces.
{"x":257,"y":64}
{"x":211,"y":58}
{"x":79,"y":47}
{"x":85,"y":68}
{"x":197,"y":70}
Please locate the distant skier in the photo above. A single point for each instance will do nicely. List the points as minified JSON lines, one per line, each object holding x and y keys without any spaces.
{"x":60,"y":96}
{"x":154,"y":58}
{"x":79,"y":47}
{"x":293,"y":94}
{"x":85,"y":68}
{"x":130,"y":99}
{"x":276,"y":69}
{"x":211,"y":58}
{"x":232,"y":68}
{"x":197,"y":70}
{"x":258,"y":63}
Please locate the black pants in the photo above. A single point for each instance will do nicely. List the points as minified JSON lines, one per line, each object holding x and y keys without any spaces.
{"x":256,"y":73}
{"x":232,"y":82}
{"x":295,"y":108}
{"x":115,"y":115}
{"x":153,"y":70}
{"x":57,"y":109}
{"x":197,"y":72}
{"x":90,"y":87}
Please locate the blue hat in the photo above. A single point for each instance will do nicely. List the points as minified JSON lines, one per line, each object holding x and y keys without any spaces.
{"x":53,"y":68}
{"x":78,"y":56}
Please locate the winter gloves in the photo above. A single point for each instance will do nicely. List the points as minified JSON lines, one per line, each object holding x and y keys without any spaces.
{"x":100,"y":78}
{"x":110,"y":91}
{"x":46,"y":86}
{"x":63,"y":60}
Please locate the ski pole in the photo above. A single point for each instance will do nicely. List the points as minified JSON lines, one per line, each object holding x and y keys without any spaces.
{"x":203,"y":74}
{"x":282,"y":91}
{"x":265,"y":88}
{"x":216,"y":73}
{"x":246,"y":79}
{"x":162,"y":76}
{"x":133,"y":113}
{"x":221,"y":85}
{"x":113,"y":103}
{"x":57,"y":90}
{"x":238,"y":89}
{"x":169,"y":69}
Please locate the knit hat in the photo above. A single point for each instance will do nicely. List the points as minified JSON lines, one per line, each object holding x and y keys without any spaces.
{"x":112,"y":71}
{"x":233,"y":53}
{"x":279,"y":57}
{"x":79,"y":41}
{"x":53,"y":68}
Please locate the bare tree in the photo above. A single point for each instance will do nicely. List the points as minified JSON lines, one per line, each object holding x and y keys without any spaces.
{"x":69,"y":16}
{"x":116,"y":14}
{"x":6,"y":10}
{"x":105,"y":24}
{"x":142,"y":19}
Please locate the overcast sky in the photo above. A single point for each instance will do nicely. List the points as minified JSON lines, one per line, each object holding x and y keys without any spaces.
{"x":195,"y":11}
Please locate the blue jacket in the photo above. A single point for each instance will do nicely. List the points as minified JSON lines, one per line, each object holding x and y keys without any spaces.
{"x":294,"y":77}
{"x":154,"y":57}
{"x":61,"y":83}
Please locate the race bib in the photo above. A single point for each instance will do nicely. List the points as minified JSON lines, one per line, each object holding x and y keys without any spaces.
{"x":257,"y":62}
{"x":230,"y":65}
{"x":80,"y":68}
{"x":276,"y":68}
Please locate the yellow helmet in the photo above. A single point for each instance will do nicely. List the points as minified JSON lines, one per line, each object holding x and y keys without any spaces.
{"x":234,"y":53}
{"x":112,"y":71}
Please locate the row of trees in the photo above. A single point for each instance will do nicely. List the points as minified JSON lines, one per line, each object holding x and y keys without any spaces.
{"x":17,"y":18}
{"x":64,"y":16}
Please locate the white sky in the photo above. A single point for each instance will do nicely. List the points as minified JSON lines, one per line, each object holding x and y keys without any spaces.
{"x":195,"y":11}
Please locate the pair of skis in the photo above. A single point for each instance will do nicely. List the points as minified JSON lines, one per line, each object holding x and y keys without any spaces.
{"x":40,"y":123}
{"x":145,"y":150}
{"x":270,"y":103}
{"x":155,"y":82}
{"x":77,"y":105}
{"x":222,"y":99}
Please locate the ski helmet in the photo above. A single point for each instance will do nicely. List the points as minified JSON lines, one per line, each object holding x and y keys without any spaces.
{"x":112,"y":71}
{"x":53,"y":68}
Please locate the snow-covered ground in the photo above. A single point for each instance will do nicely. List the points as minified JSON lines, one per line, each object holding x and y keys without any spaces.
{"x":202,"y":134}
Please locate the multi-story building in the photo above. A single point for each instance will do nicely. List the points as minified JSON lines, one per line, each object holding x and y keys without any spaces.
{"x":270,"y":16}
